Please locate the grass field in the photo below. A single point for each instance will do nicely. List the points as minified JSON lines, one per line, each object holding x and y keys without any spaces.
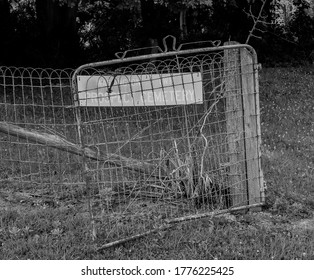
{"x":283,"y":230}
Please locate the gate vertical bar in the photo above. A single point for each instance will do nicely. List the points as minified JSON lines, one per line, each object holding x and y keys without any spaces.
{"x":234,"y":115}
{"x":259,"y":134}
{"x":85,"y":169}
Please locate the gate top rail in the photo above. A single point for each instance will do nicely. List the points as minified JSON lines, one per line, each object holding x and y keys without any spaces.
{"x":175,"y":51}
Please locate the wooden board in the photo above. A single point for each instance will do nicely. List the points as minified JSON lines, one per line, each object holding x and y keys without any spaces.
{"x":234,"y":117}
{"x":250,"y":126}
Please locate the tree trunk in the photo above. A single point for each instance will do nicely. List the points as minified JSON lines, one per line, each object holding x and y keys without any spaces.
{"x":183,"y":25}
{"x":59,"y":38}
{"x":150,"y":22}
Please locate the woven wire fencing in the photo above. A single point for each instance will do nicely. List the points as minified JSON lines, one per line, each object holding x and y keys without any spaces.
{"x":143,"y":142}
{"x":175,"y":137}
{"x":36,"y":104}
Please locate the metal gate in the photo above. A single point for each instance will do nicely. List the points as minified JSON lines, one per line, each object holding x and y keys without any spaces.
{"x":169,"y":136}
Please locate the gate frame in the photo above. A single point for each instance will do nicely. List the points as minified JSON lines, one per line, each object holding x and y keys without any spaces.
{"x":247,"y":78}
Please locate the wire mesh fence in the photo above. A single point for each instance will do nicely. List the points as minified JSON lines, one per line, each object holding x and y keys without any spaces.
{"x":149,"y":140}
{"x":177,"y":134}
{"x":37,"y":101}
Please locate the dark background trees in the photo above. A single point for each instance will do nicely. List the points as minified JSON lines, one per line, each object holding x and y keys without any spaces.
{"x":58,"y":39}
{"x":66,"y":33}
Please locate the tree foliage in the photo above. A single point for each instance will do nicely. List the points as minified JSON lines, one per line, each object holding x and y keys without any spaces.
{"x":66,"y":33}
{"x":302,"y":24}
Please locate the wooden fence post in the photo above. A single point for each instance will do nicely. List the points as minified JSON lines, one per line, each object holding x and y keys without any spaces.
{"x":251,"y":127}
{"x":235,"y":126}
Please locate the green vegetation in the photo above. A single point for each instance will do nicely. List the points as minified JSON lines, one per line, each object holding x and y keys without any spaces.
{"x":34,"y":228}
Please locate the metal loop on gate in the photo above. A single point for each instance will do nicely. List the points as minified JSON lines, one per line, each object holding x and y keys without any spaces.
{"x":174,"y":42}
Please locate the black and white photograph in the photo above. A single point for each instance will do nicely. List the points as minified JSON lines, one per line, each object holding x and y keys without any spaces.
{"x":157,"y":130}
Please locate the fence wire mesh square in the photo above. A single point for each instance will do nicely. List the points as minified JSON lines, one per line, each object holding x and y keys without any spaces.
{"x":146,"y":142}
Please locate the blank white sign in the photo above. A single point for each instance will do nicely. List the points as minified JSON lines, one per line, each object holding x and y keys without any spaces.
{"x":140,"y":90}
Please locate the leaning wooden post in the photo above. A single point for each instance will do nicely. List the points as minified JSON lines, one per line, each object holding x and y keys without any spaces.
{"x":251,"y":126}
{"x":235,"y":129}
